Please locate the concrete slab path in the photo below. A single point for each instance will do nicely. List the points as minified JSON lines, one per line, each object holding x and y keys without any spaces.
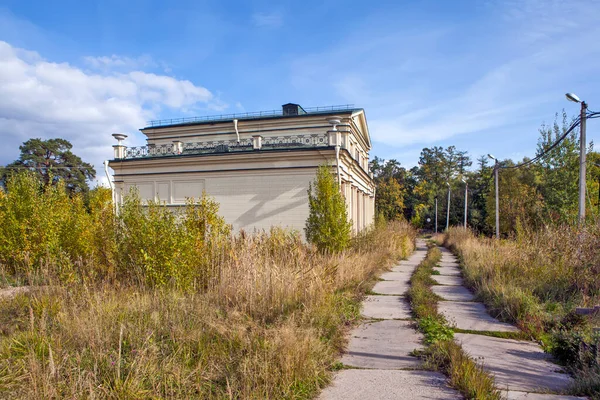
{"x":453,"y":271}
{"x":520,"y":368}
{"x":396,"y":276}
{"x":384,"y":345}
{"x":386,"y":307}
{"x":453,"y":293}
{"x":382,"y":348}
{"x":472,"y":316}
{"x":513,"y":395}
{"x":516,"y":365}
{"x":397,"y":288}
{"x":448,"y":280}
{"x":356,"y":384}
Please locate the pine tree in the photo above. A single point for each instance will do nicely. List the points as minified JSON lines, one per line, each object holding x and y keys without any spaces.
{"x":52,"y":161}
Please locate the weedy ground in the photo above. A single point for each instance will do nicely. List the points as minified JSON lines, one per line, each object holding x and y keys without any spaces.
{"x":442,"y":353}
{"x":536,"y":280}
{"x":151,"y":305}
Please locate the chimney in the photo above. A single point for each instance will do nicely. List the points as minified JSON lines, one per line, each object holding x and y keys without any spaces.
{"x":292,"y":109}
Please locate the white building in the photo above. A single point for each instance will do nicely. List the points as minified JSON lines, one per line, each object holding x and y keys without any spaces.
{"x":256,"y":165}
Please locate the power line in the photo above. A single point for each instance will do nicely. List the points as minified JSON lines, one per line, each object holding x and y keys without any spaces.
{"x":576,"y":123}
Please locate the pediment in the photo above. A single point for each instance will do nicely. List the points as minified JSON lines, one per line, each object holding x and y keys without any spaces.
{"x":360,"y":121}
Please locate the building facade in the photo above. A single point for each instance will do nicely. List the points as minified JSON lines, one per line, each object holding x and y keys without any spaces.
{"x":258,"y":166}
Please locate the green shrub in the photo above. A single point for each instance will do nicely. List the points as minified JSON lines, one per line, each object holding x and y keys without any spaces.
{"x":327,"y":226}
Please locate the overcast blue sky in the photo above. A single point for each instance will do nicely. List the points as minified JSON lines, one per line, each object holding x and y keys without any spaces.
{"x":481,"y":74}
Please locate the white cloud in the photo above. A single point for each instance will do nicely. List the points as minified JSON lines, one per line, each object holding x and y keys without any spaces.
{"x":44,"y":99}
{"x":267,"y":20}
{"x":116,"y":61}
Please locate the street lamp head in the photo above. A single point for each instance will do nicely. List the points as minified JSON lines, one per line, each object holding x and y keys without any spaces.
{"x":573,"y":97}
{"x":448,"y":183}
{"x":491,"y":156}
{"x":463,"y":180}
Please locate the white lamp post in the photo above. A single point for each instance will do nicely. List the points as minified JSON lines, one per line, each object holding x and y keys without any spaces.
{"x":435,"y":214}
{"x":448,"y":209}
{"x":466,"y":194}
{"x":497,"y":200}
{"x":582,"y":154}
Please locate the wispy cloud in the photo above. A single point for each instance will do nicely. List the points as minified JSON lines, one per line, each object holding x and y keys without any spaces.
{"x":423,"y":88}
{"x":268,"y":19}
{"x":41,"y":98}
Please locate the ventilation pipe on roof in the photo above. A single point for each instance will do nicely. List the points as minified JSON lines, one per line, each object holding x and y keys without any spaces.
{"x":235,"y":122}
{"x":111,"y":184}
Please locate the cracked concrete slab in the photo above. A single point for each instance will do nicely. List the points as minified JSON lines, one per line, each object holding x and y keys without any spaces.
{"x":383,"y":345}
{"x":396,"y":276}
{"x":451,"y":271}
{"x":472,"y":316}
{"x":449,"y":262}
{"x":513,"y":395}
{"x":386,"y":307}
{"x":357,"y":384}
{"x":453,"y":293}
{"x":448,"y":280}
{"x":406,"y":268}
{"x":517,"y":365}
{"x":397,"y":288}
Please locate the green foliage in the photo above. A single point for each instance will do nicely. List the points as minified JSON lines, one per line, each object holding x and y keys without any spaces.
{"x":392,"y":182}
{"x":559,"y":171}
{"x":520,"y":201}
{"x":268,"y":323}
{"x":43,"y":225}
{"x":52,"y":161}
{"x":389,"y":201}
{"x":435,"y":329}
{"x":47,"y":232}
{"x":327,"y":226}
{"x":442,"y":353}
{"x":539,"y":193}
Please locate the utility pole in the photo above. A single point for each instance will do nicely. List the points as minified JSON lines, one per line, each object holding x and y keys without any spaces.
{"x":448,"y":209}
{"x":466,"y":196}
{"x":582,"y":157}
{"x":436,"y":214}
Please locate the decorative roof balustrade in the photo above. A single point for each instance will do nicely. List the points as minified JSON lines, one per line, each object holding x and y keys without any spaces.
{"x":226,"y":146}
{"x":247,"y":116}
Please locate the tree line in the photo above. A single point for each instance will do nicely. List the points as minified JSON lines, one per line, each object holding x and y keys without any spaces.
{"x":542,"y":192}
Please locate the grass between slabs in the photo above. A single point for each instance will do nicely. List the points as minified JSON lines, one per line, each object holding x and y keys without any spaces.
{"x":442,"y":353}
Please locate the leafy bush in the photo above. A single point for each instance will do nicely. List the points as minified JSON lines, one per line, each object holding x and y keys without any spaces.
{"x":49,"y":234}
{"x":327,"y":226}
{"x":189,"y":310}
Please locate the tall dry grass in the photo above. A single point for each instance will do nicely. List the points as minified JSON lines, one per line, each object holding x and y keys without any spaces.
{"x":138,"y":315}
{"x":536,"y":280}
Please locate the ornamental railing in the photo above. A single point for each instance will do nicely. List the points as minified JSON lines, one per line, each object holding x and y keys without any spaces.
{"x":246,"y":115}
{"x":223,"y":146}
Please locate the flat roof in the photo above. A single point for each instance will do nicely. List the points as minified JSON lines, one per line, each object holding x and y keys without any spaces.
{"x":274,"y":114}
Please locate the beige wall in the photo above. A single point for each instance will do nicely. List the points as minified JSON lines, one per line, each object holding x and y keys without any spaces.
{"x":256,"y":189}
{"x":249,"y":200}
